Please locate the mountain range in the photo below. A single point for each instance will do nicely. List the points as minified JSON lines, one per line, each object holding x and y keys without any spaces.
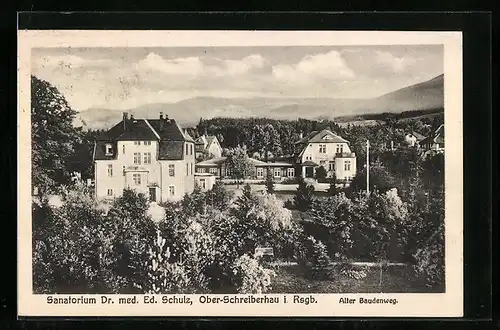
{"x":421,"y":96}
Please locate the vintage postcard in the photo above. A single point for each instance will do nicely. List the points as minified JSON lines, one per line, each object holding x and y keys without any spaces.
{"x":240,"y":173}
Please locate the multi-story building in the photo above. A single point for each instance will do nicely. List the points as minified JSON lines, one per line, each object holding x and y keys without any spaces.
{"x":433,"y":144}
{"x":153,"y":156}
{"x":324,"y":148}
{"x":208,"y":145}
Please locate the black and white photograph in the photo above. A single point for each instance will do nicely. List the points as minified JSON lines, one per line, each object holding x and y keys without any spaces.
{"x":228,"y":170}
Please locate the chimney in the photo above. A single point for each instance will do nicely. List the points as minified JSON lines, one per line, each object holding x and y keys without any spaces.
{"x":125,"y":119}
{"x":131,"y":117}
{"x":161,"y":115}
{"x":166,"y":118}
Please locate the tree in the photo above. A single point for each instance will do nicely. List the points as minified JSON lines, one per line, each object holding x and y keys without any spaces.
{"x":269,"y":182}
{"x":380,"y":179}
{"x":53,"y":136}
{"x":321,"y":174}
{"x":218,"y":197}
{"x":129,"y":229}
{"x":238,"y":162}
{"x":304,"y":195}
{"x":194,"y":203}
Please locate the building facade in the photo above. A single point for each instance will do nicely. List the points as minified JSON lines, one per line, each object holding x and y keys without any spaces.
{"x":433,"y":144}
{"x":151,"y":156}
{"x":317,"y":149}
{"x":326,"y":149}
{"x":209,"y":146}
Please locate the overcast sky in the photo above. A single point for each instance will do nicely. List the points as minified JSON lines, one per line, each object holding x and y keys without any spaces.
{"x":124,"y":78}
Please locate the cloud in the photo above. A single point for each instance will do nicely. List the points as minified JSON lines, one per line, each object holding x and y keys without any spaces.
{"x":330,"y":65}
{"x":394,"y":63}
{"x":117,"y":79}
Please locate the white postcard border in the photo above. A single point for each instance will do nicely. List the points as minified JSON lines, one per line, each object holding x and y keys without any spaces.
{"x":449,"y":304}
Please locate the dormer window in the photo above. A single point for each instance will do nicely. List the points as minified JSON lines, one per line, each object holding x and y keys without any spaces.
{"x":109,"y":149}
{"x":327,"y":137}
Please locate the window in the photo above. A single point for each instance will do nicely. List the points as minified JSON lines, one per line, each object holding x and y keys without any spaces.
{"x":147,"y":158}
{"x":136,"y":143}
{"x":277,"y":171}
{"x":110,"y":170}
{"x":171,"y":170}
{"x":187,"y":149}
{"x":137,"y":157}
{"x":123,"y":170}
{"x":260,"y":171}
{"x":187,"y":168}
{"x":322,"y":162}
{"x":190,"y":149}
{"x":291,"y":172}
{"x":110,"y":192}
{"x":191,"y":168}
{"x":322,"y":148}
{"x":341,"y":149}
{"x":171,"y":190}
{"x":347,"y":165}
{"x":203,"y":184}
{"x":213,"y":170}
{"x":147,"y":143}
{"x":123,"y":149}
{"x":109,"y":149}
{"x":137,"y":178}
{"x":331,"y":166}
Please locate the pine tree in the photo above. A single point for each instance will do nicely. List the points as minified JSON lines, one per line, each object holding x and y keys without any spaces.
{"x":304,"y":195}
{"x":269,"y":182}
{"x":320,"y":261}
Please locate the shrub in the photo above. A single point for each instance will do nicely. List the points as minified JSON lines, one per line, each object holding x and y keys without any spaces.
{"x":250,"y":276}
{"x":430,"y":261}
{"x":321,"y":174}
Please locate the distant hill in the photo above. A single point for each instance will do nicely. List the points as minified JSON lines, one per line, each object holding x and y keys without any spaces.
{"x":428,"y":95}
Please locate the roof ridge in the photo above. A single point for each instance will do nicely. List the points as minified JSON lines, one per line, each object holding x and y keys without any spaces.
{"x":152,"y":129}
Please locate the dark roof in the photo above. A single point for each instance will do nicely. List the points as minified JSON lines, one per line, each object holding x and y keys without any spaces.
{"x":166,"y":131}
{"x":316,"y":136}
{"x":100,"y":150}
{"x":170,"y":130}
{"x":171,"y":150}
{"x":136,"y":129}
{"x":306,"y":138}
{"x":438,"y":137}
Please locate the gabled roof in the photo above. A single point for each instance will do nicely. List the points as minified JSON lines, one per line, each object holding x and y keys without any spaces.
{"x":324,"y":136}
{"x":417,"y":135}
{"x":438,"y":136}
{"x":210,"y":139}
{"x":167,"y":132}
